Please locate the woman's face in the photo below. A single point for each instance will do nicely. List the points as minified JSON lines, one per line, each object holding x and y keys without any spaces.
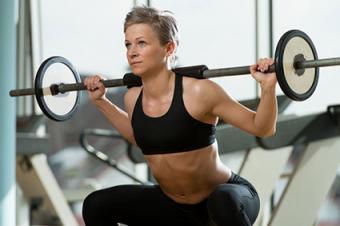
{"x":144,"y":52}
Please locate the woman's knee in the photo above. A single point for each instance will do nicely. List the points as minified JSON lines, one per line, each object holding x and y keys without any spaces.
{"x":91,"y":202}
{"x":225,"y":207}
{"x":97,"y":210}
{"x":224,"y":198}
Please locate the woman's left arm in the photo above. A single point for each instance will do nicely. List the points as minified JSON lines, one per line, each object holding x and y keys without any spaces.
{"x":261,"y":123}
{"x":266,"y":113}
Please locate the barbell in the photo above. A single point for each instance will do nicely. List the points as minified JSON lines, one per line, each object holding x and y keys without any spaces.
{"x":296,"y":67}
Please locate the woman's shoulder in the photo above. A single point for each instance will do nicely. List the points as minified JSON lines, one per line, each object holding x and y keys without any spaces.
{"x":133,"y":91}
{"x":204,"y":91}
{"x":131,"y":96}
{"x":200,"y":86}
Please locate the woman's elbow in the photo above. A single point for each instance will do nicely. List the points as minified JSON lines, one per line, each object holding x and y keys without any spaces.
{"x":266,"y":133}
{"x":271,"y":132}
{"x":132,"y":140}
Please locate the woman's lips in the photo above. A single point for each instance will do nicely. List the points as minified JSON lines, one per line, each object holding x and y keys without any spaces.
{"x":135,"y":63}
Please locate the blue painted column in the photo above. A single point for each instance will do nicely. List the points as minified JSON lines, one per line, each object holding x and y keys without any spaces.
{"x":7,"y":111}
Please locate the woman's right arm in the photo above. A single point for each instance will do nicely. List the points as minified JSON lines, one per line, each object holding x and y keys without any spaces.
{"x":117,"y":117}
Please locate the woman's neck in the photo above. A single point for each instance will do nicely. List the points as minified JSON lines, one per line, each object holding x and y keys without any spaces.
{"x":158,"y":84}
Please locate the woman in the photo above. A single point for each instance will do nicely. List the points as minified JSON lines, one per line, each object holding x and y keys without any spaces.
{"x":172,"y":119}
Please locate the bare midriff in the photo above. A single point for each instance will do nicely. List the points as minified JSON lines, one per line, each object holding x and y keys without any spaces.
{"x":189,"y":177}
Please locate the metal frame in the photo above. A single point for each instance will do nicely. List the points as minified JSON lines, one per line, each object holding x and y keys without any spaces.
{"x":29,"y":52}
{"x":101,"y":155}
{"x":28,"y":142}
{"x":37,"y":182}
{"x":291,"y":130}
{"x":309,"y":184}
{"x":25,"y":105}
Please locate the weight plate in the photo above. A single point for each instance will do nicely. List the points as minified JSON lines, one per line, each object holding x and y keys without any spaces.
{"x":56,"y":70}
{"x":296,"y":84}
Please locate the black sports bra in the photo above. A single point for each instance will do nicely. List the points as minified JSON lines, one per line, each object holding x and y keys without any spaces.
{"x":175,"y":131}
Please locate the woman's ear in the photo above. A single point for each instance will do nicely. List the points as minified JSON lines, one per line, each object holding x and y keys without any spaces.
{"x":171,"y":47}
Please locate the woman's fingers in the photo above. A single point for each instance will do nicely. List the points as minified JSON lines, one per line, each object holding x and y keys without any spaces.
{"x":264,"y":63}
{"x":93,"y":83}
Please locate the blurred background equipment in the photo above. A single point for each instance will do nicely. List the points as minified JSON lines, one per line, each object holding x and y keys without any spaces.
{"x":296,"y":171}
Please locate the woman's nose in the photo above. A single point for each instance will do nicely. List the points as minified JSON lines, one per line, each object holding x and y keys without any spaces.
{"x":133,"y":52}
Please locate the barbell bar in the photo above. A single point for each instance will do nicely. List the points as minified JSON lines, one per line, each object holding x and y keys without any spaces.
{"x":199,"y":71}
{"x":296,"y":66}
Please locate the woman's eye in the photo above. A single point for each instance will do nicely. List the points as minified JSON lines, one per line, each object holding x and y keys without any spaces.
{"x":127,"y":45}
{"x":141,"y":43}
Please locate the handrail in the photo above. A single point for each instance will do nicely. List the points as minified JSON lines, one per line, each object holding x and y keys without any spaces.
{"x":101,"y":155}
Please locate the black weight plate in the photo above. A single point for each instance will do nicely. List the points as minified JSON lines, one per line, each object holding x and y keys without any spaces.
{"x":296,"y":85}
{"x":56,"y":70}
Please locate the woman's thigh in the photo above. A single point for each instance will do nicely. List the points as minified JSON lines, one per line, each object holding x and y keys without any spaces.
{"x":234,"y":203}
{"x":134,"y":205}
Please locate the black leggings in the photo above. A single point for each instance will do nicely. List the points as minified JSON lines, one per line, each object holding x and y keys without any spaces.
{"x":233,"y":203}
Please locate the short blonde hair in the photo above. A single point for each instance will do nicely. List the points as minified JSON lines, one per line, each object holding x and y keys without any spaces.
{"x":163,"y":22}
